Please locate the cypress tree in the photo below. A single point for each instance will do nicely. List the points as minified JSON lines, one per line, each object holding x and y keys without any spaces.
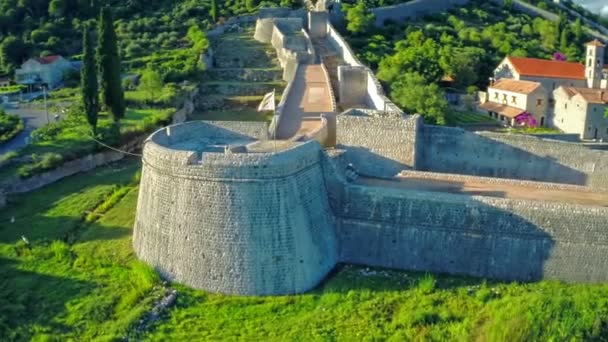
{"x":112,"y":93}
{"x":213,"y":11}
{"x":88,"y":80}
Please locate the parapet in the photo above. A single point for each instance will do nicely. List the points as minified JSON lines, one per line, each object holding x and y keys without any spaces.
{"x":223,"y":212}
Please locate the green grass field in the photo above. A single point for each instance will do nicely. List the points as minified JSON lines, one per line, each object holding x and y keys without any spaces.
{"x":78,"y":279}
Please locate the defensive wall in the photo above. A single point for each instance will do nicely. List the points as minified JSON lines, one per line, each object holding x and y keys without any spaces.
{"x":412,"y":10}
{"x":249,"y":223}
{"x":219,"y":211}
{"x":453,"y":150}
{"x":357,"y":82}
{"x":224,"y":208}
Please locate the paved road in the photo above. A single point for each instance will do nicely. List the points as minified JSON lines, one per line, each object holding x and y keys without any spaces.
{"x":309,"y":98}
{"x":32,"y":118}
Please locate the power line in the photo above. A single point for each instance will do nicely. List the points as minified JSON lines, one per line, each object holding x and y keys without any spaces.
{"x":114,"y":148}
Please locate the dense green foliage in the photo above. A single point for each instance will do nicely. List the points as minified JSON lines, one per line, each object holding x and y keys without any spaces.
{"x":413,"y":93}
{"x":359,"y":18}
{"x":40,"y":27}
{"x":108,"y":60}
{"x":89,"y":85}
{"x":151,"y":83}
{"x":76,"y":278}
{"x":10,"y":126}
{"x":463,"y":45}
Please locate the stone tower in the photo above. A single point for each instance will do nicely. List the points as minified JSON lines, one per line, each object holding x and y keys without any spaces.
{"x":594,"y":63}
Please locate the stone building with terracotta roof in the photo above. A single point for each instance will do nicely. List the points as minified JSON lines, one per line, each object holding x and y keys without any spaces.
{"x":558,"y":94}
{"x":508,"y":99}
{"x":581,"y":111}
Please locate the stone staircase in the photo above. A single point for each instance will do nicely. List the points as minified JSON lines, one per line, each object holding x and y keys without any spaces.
{"x":332,"y":60}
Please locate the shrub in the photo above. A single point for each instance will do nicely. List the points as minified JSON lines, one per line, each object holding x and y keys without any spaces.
{"x":10,"y":126}
{"x":40,"y":164}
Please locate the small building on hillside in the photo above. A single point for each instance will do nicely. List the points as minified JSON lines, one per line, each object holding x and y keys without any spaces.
{"x":581,"y":111}
{"x":43,"y":71}
{"x":533,"y":87}
{"x":551,"y":74}
{"x":508,"y":98}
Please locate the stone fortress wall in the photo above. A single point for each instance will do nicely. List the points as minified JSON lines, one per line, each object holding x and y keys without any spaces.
{"x":412,"y":10}
{"x":225,"y":209}
{"x":246,"y":223}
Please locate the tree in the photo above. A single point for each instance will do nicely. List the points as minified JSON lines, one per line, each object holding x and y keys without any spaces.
{"x":412,"y":93}
{"x":413,"y":56}
{"x":213,"y":10}
{"x":250,"y":5}
{"x":88,"y":80}
{"x":564,"y":40}
{"x":151,"y":83}
{"x":109,"y":67}
{"x":13,"y":51}
{"x":359,"y":18}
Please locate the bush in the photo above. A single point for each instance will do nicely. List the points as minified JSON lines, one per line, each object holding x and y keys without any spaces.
{"x":10,"y":126}
{"x":40,"y":164}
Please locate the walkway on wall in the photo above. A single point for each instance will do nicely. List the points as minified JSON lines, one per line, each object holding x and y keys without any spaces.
{"x":309,"y":97}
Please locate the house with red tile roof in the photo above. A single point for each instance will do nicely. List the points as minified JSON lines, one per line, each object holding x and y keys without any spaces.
{"x":508,"y":99}
{"x":581,"y":111}
{"x":557,"y":94}
{"x":38,"y":71}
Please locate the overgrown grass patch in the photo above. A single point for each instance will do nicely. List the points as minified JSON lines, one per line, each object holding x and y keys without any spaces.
{"x":68,"y":279}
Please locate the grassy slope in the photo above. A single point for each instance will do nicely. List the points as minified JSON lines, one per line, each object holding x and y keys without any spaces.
{"x":79,"y":280}
{"x":89,"y":287}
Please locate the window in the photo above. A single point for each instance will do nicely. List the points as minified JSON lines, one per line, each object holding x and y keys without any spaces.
{"x":551,"y":102}
{"x":565,"y":106}
{"x":553,"y":85}
{"x":496,"y":95}
{"x":514,"y":99}
{"x":539,"y":102}
{"x":590,"y":63}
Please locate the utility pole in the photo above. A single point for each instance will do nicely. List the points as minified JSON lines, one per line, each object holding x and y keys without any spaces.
{"x":46,"y":107}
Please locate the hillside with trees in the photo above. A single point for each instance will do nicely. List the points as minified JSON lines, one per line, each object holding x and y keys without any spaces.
{"x":460,"y":47}
{"x":44,"y":27}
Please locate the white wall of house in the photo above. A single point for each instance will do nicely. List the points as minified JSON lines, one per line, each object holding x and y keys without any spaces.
{"x":534,"y":103}
{"x":569,"y":113}
{"x":51,"y":74}
{"x":597,"y":124}
{"x":575,"y":115}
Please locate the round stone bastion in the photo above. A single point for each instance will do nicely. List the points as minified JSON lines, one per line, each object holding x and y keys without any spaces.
{"x":222,"y":212}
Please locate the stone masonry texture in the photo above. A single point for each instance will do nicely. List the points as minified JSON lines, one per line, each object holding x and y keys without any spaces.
{"x":278,"y":222}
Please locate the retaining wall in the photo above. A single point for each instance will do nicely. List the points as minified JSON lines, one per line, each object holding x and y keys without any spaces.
{"x":375,"y":96}
{"x":453,"y":150}
{"x":479,"y":236}
{"x":378,"y":146}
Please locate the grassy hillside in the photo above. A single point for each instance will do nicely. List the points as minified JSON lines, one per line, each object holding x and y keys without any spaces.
{"x":76,"y":278}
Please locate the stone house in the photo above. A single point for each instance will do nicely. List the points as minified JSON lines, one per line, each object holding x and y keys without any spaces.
{"x":581,"y":111}
{"x":40,"y":71}
{"x":521,"y":76}
{"x":509,"y":98}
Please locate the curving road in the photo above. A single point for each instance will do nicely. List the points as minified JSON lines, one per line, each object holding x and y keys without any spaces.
{"x":32,"y":119}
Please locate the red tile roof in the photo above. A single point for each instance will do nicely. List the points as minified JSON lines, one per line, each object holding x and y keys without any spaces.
{"x":47,"y":59}
{"x":597,"y":96}
{"x":508,"y":111}
{"x":547,"y":68}
{"x":595,"y":42}
{"x":516,"y":86}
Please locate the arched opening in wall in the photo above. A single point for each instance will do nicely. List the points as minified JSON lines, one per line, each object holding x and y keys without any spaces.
{"x":542,"y":121}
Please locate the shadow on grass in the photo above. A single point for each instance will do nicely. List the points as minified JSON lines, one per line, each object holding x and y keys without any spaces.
{"x":31,"y":301}
{"x":350,"y":277}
